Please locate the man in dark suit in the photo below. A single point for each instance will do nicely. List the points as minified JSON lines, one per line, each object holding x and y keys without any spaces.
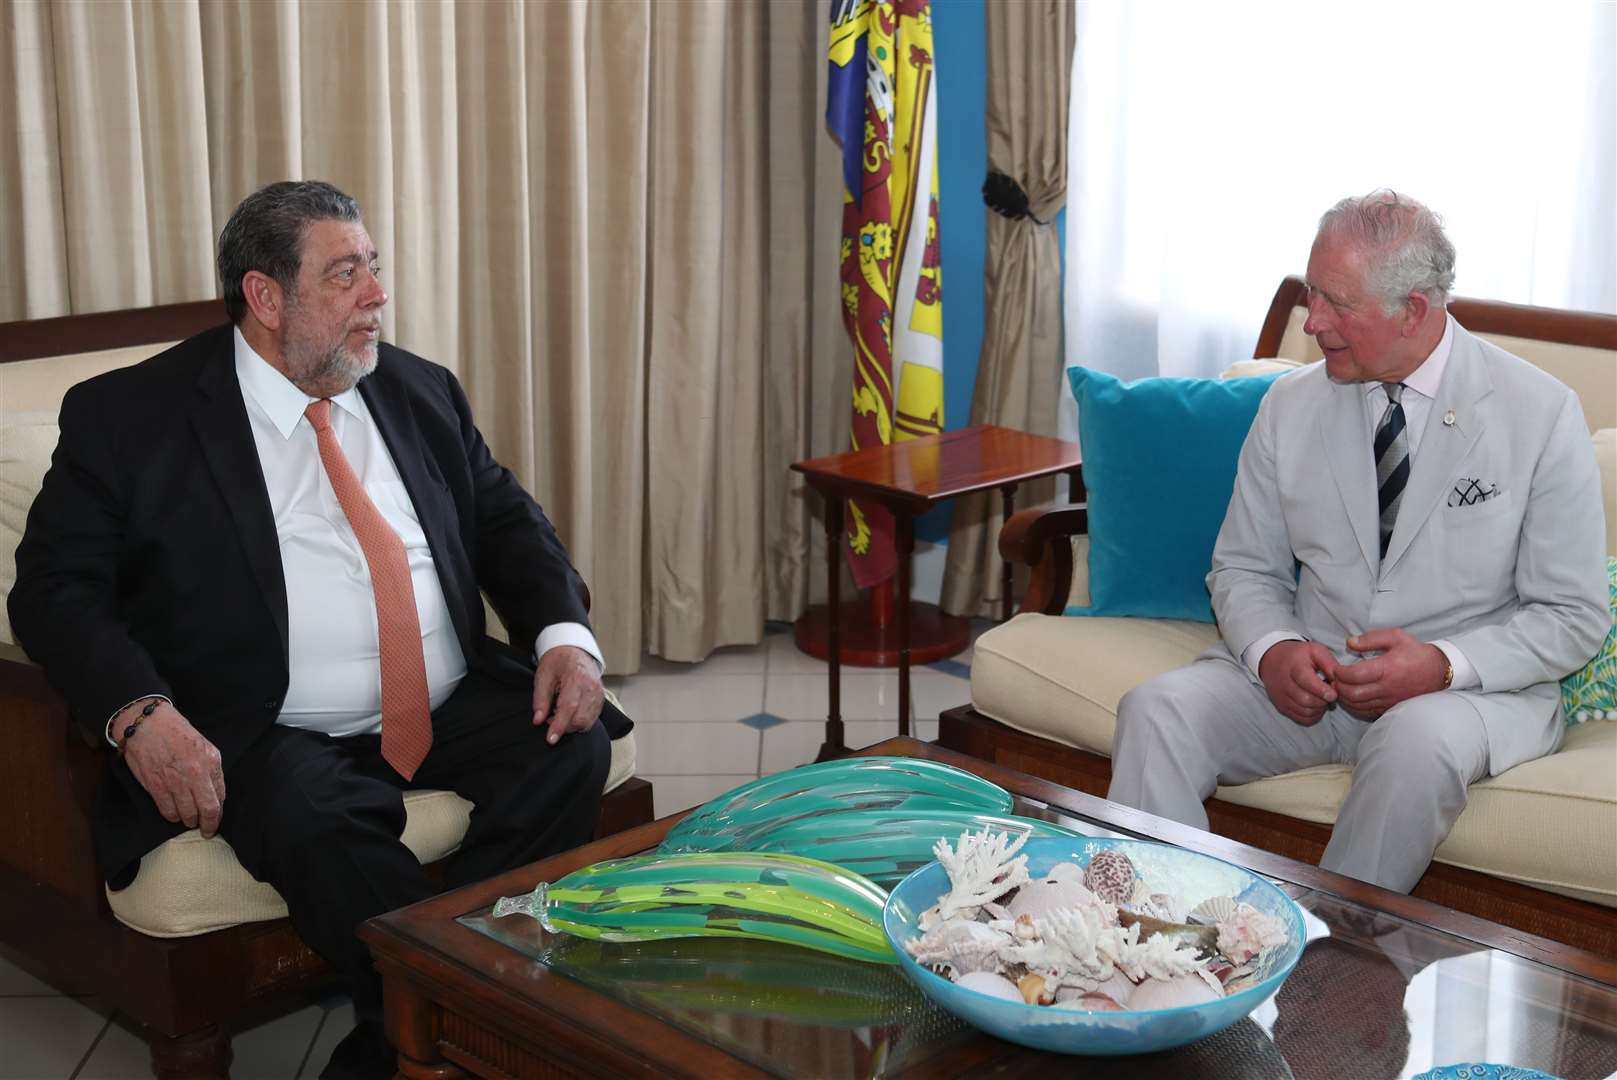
{"x":255,"y":570}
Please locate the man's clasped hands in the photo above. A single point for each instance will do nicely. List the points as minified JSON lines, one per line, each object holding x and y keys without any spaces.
{"x":1303,"y":678}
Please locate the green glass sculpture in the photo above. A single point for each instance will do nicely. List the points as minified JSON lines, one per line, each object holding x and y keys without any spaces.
{"x":776,"y":897}
{"x":874,"y":783}
{"x":884,"y":845}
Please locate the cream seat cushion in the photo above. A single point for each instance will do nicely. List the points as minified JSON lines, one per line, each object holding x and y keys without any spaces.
{"x":192,"y":885}
{"x":1550,"y":823}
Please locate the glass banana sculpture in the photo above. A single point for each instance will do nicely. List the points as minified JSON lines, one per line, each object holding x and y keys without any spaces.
{"x":767,"y":895}
{"x":882,"y":845}
{"x":874,"y":783}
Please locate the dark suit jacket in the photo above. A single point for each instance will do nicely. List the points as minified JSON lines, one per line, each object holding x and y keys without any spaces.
{"x":150,"y":563}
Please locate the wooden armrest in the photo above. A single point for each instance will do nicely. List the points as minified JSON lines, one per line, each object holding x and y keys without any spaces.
{"x":1041,"y":538}
{"x":48,"y":775}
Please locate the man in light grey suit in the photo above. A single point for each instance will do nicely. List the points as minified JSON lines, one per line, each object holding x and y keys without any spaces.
{"x":1413,"y":556}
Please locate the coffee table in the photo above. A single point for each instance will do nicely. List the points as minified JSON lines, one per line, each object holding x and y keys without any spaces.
{"x":1397,"y":986}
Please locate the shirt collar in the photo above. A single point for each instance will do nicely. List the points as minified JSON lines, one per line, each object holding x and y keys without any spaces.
{"x":1425,"y":379}
{"x":281,"y":401}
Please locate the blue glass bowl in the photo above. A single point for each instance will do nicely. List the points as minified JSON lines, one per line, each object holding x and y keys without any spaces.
{"x":1189,"y":875}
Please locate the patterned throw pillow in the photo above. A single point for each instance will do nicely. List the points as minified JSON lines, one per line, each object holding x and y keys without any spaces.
{"x":1591,"y":694}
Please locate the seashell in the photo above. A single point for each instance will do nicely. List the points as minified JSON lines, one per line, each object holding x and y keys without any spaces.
{"x":1157,"y":905}
{"x":1066,"y":871}
{"x":1182,"y":990}
{"x":986,"y":982}
{"x":1110,"y":876}
{"x":1039,"y":898}
{"x":1118,"y":987}
{"x":1212,"y":911}
{"x":1092,"y":1002}
{"x":1033,"y":989}
{"x":1204,"y":938}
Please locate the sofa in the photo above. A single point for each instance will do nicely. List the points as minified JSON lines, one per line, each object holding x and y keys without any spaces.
{"x":194,"y":945}
{"x":1535,"y":849}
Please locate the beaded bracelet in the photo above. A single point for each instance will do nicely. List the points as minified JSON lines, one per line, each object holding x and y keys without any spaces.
{"x":134,"y":725}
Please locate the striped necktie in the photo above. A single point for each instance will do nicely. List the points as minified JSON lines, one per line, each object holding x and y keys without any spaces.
{"x":406,"y":702}
{"x":1392,"y":461}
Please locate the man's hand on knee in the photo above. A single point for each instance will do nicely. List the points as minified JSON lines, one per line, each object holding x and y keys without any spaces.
{"x":179,"y":769}
{"x":567,"y":691}
{"x":1299,"y":677}
{"x":1406,"y":668}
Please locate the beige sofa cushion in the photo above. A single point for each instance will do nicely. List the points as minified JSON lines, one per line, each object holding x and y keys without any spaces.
{"x":1551,"y":823}
{"x":1061,"y":678}
{"x":192,"y":885}
{"x":1504,"y":830}
{"x":30,"y":399}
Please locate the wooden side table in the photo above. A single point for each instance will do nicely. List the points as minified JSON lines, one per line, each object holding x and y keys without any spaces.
{"x":909,"y":478}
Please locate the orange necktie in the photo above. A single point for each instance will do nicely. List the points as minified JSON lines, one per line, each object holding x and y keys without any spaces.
{"x":406,"y":705}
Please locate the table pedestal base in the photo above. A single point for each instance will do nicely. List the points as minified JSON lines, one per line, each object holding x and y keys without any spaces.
{"x":934,"y":635}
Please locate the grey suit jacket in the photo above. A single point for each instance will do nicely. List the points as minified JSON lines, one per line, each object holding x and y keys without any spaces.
{"x":1516,"y":581}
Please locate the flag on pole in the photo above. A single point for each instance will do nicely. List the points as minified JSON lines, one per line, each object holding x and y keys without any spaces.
{"x":882,"y":111}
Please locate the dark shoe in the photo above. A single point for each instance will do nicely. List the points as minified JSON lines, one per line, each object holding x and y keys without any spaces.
{"x":364,"y":1054}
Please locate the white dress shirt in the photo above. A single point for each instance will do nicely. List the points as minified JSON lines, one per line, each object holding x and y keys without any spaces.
{"x":335,"y":682}
{"x":1420,"y":390}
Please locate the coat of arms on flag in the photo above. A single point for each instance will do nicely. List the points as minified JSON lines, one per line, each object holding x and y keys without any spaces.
{"x":881,"y":110}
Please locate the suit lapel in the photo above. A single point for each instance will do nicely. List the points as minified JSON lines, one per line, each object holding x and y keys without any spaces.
{"x":219,"y":417}
{"x":1346,"y":443}
{"x":1443,"y":447}
{"x":390,"y":407}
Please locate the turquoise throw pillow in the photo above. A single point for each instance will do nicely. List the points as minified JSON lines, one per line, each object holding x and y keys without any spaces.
{"x":1159,"y":466}
{"x":1591,"y":693}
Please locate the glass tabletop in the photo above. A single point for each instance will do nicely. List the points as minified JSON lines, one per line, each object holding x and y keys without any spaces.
{"x":1374,"y":995}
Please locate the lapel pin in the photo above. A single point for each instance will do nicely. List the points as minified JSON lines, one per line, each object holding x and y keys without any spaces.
{"x":1448,"y":418}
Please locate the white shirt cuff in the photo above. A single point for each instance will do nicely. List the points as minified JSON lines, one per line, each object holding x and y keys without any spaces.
{"x":1465,"y":676}
{"x":1252,"y":656}
{"x":567,"y":633}
{"x":144,"y":697}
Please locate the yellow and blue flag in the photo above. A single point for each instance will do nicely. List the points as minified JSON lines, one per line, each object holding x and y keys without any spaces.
{"x":881,"y":109}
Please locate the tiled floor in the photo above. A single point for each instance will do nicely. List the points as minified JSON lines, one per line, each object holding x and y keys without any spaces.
{"x":700,"y":729}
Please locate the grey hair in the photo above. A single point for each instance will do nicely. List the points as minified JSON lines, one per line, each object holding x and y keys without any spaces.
{"x":265,"y":233}
{"x":1407,"y":250}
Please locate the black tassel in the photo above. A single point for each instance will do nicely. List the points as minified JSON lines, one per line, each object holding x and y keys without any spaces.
{"x":1005,"y":196}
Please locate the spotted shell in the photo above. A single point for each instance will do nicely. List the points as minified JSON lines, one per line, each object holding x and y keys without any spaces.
{"x":1110,"y":876}
{"x":1213,"y":910}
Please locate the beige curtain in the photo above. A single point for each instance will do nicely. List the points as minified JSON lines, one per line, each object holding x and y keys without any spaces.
{"x":1019,"y":369}
{"x":617,"y":222}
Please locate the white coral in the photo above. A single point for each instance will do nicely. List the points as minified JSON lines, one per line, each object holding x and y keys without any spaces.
{"x":1159,"y":957}
{"x":981,"y":869}
{"x":1073,"y":946}
{"x":961,"y":946}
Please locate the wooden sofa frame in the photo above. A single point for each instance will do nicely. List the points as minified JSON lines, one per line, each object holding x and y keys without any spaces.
{"x":188,"y":994}
{"x":1040,"y":538}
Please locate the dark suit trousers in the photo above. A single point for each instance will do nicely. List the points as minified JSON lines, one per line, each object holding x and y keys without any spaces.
{"x":320,"y":818}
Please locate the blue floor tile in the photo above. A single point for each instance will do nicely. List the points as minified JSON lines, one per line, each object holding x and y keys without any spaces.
{"x":952,"y":667}
{"x":762,"y":721}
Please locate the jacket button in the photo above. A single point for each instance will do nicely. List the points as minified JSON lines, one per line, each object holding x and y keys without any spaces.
{"x":272,"y":704}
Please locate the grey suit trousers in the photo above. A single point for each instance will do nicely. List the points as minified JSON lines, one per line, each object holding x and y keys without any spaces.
{"x":1183,"y":733}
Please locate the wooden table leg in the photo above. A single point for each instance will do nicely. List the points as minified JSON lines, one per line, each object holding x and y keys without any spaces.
{"x":904,"y":535}
{"x":1007,"y":493}
{"x":833,"y":745}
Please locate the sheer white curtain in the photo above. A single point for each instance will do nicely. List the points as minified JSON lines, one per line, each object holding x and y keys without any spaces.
{"x":1206,"y":139}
